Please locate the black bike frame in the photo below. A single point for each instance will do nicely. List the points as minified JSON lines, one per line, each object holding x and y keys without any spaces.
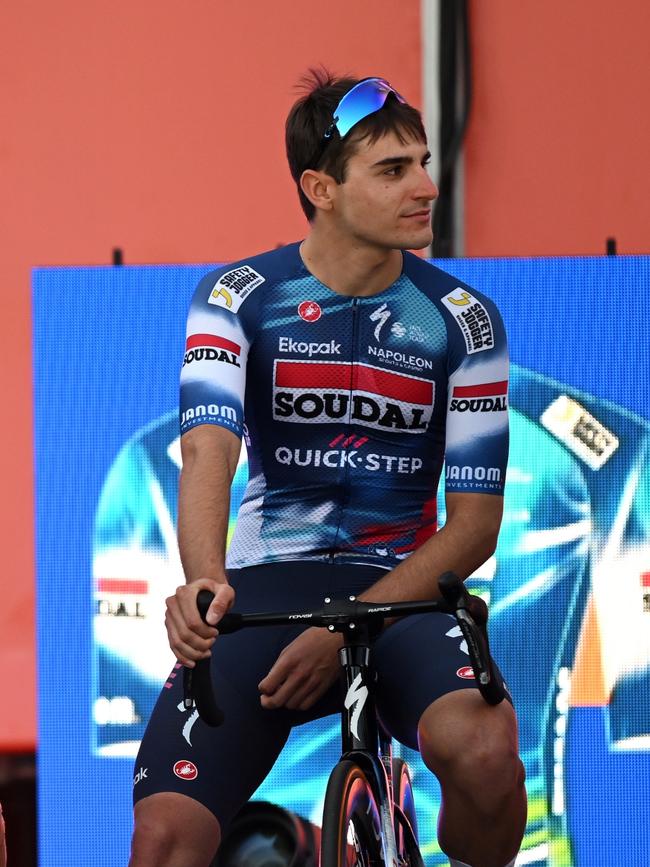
{"x":363,"y":739}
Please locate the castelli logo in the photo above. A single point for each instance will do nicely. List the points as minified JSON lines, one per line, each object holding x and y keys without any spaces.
{"x":309,"y":311}
{"x":186,"y":770}
{"x":466,"y":672}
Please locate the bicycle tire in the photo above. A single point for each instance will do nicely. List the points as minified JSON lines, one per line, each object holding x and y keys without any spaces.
{"x":407,"y":847}
{"x":351,"y":834}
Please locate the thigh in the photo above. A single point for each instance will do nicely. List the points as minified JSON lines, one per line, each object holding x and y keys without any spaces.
{"x":218,"y":767}
{"x":222,"y":767}
{"x":418,"y":660}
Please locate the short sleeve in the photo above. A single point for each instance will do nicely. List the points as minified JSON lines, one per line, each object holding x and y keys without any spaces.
{"x":213,"y":374}
{"x":476,"y":439}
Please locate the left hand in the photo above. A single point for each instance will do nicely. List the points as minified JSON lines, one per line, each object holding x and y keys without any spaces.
{"x":303,"y":672}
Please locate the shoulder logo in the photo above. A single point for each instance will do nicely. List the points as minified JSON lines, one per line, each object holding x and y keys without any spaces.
{"x":462,"y":301}
{"x":472,"y":318}
{"x":233,"y":288}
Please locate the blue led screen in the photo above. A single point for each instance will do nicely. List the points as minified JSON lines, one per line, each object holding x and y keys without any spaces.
{"x":568,"y":587}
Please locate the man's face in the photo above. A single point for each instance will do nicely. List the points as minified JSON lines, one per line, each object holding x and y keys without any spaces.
{"x":387,"y":194}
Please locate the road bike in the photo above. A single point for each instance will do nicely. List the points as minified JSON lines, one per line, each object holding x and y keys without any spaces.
{"x":369,"y":814}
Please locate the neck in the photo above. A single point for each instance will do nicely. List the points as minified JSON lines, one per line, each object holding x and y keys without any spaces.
{"x":348,"y":265}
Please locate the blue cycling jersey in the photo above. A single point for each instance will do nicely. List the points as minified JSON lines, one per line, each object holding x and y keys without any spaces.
{"x":348,"y":405}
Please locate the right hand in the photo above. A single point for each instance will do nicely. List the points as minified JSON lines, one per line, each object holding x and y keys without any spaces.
{"x":189,"y":637}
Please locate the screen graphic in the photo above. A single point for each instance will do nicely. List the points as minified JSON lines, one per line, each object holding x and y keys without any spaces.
{"x":568,"y":587}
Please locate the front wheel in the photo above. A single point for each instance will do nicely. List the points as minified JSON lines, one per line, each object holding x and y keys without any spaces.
{"x":351,"y":835}
{"x":406,"y":840}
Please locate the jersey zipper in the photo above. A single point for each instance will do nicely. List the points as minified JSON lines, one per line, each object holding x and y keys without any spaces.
{"x":345,"y":479}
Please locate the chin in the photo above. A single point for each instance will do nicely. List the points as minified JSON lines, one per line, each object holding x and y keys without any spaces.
{"x":420,"y":244}
{"x":413,"y":240}
{"x":416,"y":241}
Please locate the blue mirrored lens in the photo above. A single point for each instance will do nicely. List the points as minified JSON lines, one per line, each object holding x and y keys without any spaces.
{"x":363,"y":99}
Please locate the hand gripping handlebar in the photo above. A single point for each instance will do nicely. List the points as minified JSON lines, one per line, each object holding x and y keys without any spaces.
{"x":470,"y":611}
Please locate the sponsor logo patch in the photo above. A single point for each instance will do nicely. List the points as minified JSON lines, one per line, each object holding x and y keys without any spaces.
{"x":209,"y":347}
{"x":472,"y":319}
{"x":302,"y":347}
{"x":488,"y":397}
{"x":400,"y":359}
{"x":205,"y":412}
{"x":186,"y":770}
{"x":473,"y":477}
{"x":328,"y":391}
{"x":233,"y":288}
{"x":399,"y":330}
{"x":466,"y":672}
{"x":309,"y":311}
{"x":339,"y":458}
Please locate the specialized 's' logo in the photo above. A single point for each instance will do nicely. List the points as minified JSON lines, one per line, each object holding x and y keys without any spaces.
{"x":466,"y":672}
{"x":210,"y":347}
{"x":457,"y":632}
{"x":309,"y":311}
{"x":186,"y":770}
{"x":189,"y":722}
{"x":488,"y":397}
{"x":381,"y":316}
{"x":233,"y":288}
{"x":327,"y":391}
{"x":355,"y":698}
{"x":473,"y":320}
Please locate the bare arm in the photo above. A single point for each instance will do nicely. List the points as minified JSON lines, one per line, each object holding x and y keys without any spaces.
{"x":466,"y":541}
{"x":210,"y":455}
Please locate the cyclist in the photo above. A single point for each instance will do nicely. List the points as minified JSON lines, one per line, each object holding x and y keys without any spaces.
{"x":358,"y":369}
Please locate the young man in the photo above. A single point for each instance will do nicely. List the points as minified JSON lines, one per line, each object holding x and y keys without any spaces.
{"x":352,"y":369}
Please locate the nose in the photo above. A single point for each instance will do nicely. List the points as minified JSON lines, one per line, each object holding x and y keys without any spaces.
{"x":425,"y":189}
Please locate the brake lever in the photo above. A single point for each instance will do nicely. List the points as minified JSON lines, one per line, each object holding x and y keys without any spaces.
{"x":472,"y":614}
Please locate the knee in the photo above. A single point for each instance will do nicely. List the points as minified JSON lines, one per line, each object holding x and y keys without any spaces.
{"x":152,"y":841}
{"x":160,"y":833}
{"x":477,"y":754}
{"x":485,"y":762}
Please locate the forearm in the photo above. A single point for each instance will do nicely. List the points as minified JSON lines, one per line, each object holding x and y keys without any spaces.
{"x":460,"y":546}
{"x":204,"y":510}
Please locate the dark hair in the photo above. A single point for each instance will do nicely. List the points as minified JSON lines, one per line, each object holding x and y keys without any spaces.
{"x":311,"y":116}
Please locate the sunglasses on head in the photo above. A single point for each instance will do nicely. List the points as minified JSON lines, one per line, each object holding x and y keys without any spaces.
{"x":363,"y":99}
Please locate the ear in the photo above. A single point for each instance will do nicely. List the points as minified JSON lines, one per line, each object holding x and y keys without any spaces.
{"x":319,"y":188}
